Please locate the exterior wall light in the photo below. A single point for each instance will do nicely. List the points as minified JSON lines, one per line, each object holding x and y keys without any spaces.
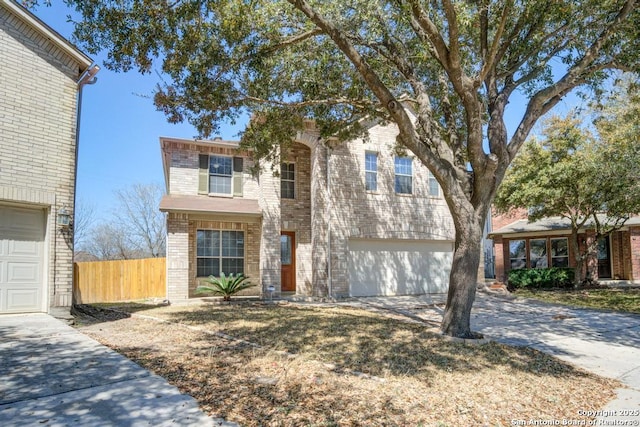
{"x":64,"y":217}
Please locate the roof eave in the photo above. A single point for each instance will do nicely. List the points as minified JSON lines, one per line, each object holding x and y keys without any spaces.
{"x":48,"y":32}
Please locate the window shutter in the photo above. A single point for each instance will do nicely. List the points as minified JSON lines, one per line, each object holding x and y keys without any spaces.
{"x":203,"y":174}
{"x":237,"y":176}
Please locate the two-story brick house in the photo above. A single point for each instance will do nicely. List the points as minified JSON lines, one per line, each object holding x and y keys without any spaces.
{"x":41,"y":74}
{"x":355,"y":219}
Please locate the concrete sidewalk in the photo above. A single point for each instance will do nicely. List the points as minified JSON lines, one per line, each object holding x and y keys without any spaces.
{"x":605,"y":343}
{"x":52,"y":375}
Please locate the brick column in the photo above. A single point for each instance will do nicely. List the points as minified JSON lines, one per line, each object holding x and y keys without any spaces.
{"x":177,"y":257}
{"x":319,"y":223}
{"x":269,"y":202}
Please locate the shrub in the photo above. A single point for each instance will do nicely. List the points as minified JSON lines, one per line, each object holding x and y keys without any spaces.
{"x":225,"y":285}
{"x":541,"y":278}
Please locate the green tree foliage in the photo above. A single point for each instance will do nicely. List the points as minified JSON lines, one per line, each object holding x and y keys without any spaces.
{"x":455,"y":64}
{"x":591,"y":180}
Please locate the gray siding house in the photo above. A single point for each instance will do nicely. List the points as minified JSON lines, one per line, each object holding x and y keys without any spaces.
{"x":356,"y":219}
{"x":40,"y":77}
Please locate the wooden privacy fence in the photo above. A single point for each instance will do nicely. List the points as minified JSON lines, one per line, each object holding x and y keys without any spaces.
{"x":121,"y":280}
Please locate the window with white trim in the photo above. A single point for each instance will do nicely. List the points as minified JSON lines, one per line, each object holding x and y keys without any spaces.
{"x":371,"y":171}
{"x":219,"y":251}
{"x":220,"y":174}
{"x":287,"y":181}
{"x":434,"y":187}
{"x":403,"y":175}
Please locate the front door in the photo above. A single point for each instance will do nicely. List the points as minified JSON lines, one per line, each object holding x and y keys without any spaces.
{"x":288,"y":260}
{"x":604,"y":259}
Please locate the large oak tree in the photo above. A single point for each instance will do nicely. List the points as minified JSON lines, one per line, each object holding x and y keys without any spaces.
{"x":456,"y":65}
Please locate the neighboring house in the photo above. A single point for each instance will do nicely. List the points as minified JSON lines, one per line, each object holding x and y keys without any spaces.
{"x":352,"y":220}
{"x":545,"y":243}
{"x":41,"y":74}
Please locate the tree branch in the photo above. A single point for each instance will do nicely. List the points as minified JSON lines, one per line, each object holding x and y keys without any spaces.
{"x":546,"y":98}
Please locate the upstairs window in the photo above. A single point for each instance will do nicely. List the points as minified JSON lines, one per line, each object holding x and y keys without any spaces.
{"x":403,"y":175}
{"x":287,"y":181}
{"x":220,"y":174}
{"x":371,"y":171}
{"x":434,"y":187}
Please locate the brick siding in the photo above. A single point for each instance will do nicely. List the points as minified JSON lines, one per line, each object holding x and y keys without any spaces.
{"x":321,"y":215}
{"x":38,"y":100}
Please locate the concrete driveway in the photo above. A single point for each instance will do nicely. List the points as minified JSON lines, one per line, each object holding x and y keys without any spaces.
{"x":605,"y":343}
{"x":52,"y":375}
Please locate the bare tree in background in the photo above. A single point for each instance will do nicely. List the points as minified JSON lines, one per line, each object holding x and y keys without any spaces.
{"x":138,"y":215}
{"x":107,"y":241}
{"x":137,"y":228}
{"x":83,"y":219}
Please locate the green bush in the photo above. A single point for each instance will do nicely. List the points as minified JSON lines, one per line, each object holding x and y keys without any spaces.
{"x":225,"y":285}
{"x":541,"y":278}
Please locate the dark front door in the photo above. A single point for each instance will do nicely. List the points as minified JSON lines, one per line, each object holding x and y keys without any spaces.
{"x":288,"y":260}
{"x":604,"y":258}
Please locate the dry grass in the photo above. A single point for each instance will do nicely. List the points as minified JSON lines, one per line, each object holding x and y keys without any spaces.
{"x":617,"y":299}
{"x":351,"y":367}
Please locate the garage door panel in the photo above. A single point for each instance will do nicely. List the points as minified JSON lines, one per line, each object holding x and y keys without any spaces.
{"x":23,"y":299}
{"x":22,"y":235}
{"x":23,"y":272}
{"x":378,"y":267}
{"x":21,"y":248}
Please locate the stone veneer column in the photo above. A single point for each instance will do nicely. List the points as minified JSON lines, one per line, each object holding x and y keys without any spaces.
{"x":319,"y":223}
{"x":269,"y":201}
{"x":177,"y":257}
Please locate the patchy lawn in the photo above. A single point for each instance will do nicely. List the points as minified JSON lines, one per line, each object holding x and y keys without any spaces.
{"x":337,"y":366}
{"x":618,"y":299}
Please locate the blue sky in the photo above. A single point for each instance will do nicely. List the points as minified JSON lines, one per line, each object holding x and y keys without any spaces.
{"x":120,"y":127}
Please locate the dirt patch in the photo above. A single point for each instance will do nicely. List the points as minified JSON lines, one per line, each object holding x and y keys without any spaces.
{"x":318,"y":366}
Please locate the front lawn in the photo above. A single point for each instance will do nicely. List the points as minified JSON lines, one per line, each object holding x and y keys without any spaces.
{"x":618,"y":299}
{"x":299,"y":365}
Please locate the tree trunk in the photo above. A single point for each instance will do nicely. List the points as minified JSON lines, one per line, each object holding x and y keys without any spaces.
{"x":463,"y":280}
{"x":577,"y":258}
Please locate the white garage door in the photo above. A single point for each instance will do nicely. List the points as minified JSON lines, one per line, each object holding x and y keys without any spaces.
{"x":21,"y":259}
{"x":398,"y":267}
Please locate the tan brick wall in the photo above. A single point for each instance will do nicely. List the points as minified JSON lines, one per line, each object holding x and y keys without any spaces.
{"x":183,"y":173}
{"x":296,"y":216}
{"x":269,"y":202}
{"x":177,"y":256}
{"x":38,"y":94}
{"x":382,"y":214}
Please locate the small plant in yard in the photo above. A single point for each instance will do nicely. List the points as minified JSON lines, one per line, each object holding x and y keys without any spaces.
{"x":225,"y":285}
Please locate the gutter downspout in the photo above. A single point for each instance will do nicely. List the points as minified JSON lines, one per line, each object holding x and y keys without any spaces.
{"x":329,"y":275}
{"x":88,"y":77}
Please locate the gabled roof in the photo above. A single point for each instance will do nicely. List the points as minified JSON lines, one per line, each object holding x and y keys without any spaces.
{"x":551,"y":225}
{"x":38,"y":25}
